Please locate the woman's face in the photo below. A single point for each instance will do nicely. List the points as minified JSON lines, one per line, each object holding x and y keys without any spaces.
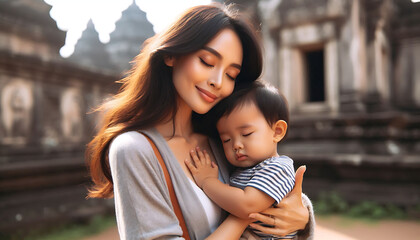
{"x":206,"y":76}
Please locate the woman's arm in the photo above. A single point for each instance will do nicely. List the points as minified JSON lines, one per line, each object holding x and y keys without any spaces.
{"x":231,"y":229}
{"x":293,"y":213}
{"x":142,"y":203}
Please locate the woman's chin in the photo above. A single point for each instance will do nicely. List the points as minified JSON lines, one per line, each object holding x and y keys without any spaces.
{"x":202,"y":110}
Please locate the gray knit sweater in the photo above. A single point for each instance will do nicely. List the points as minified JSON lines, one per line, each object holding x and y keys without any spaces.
{"x":142,"y":203}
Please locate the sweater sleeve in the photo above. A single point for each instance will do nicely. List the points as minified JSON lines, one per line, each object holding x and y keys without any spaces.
{"x":142,"y":204}
{"x":275,"y":178}
{"x":309,"y":231}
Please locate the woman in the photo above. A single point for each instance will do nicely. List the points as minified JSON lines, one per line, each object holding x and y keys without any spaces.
{"x":188,"y":68}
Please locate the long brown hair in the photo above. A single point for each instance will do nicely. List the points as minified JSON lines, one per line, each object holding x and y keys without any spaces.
{"x":147,"y":95}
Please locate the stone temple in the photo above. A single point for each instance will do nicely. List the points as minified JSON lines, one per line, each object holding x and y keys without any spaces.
{"x":131,"y":30}
{"x":46,"y":119}
{"x":350,"y":71}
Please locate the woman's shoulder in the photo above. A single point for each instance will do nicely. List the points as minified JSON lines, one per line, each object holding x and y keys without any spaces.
{"x":130,"y":142}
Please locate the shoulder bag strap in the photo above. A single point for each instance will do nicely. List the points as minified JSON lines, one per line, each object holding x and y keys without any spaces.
{"x":174,"y":199}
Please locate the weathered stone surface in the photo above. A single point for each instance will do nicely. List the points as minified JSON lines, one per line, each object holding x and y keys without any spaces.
{"x":90,"y":53}
{"x":126,"y":41}
{"x":363,"y":140}
{"x":43,"y":123}
{"x":27,"y":29}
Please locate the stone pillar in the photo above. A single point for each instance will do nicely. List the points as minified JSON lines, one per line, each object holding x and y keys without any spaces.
{"x":405,"y":86}
{"x":352,"y":74}
{"x":267,"y":10}
{"x":407,"y":75}
{"x":332,"y":74}
{"x":377,"y":92}
{"x":288,"y":64}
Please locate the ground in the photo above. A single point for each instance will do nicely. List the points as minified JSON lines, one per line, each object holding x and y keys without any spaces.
{"x":337,"y":228}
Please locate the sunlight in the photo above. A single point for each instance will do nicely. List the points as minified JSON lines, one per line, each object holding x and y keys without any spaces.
{"x":73,"y":16}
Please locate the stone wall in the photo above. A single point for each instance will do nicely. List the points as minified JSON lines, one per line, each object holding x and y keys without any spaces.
{"x":44,"y":128}
{"x":362,"y":139}
{"x":44,"y":125}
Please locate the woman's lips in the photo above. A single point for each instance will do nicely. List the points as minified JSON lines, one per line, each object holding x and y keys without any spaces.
{"x":208,"y":96}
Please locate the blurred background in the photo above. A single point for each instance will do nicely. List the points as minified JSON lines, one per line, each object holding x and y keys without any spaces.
{"x":350,"y":70}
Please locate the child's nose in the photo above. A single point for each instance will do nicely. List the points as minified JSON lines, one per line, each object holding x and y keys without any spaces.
{"x":237,"y":145}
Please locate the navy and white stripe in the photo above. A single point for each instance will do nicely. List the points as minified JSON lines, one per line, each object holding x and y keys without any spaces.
{"x":274,"y":176}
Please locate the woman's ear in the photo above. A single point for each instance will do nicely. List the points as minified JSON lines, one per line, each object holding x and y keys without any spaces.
{"x":280,"y":129}
{"x":169,"y":60}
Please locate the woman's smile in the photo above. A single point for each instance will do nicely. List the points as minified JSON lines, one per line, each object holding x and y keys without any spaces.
{"x":208,"y":96}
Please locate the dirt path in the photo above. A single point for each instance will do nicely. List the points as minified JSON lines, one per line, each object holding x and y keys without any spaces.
{"x":337,"y":228}
{"x":109,"y":234}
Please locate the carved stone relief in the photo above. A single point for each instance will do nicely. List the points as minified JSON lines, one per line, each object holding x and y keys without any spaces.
{"x":71,"y":114}
{"x":16,"y":111}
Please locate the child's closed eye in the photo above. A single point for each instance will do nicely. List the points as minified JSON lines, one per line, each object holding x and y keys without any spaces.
{"x":247,"y":134}
{"x":225,"y":140}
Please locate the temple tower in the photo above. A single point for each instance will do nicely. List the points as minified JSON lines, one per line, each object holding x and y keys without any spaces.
{"x":90,"y":52}
{"x":127,"y":39}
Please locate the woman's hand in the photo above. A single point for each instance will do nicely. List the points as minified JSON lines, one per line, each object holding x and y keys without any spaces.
{"x":289,"y":215}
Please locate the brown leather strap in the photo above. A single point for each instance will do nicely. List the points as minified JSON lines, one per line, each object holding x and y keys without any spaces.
{"x":174,"y":199}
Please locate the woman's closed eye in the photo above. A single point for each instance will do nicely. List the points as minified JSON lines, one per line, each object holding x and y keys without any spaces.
{"x":247,"y":134}
{"x":205,"y":63}
{"x":225,"y":140}
{"x":230,"y":77}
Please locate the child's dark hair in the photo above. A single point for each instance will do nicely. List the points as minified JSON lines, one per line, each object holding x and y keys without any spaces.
{"x":272,"y":104}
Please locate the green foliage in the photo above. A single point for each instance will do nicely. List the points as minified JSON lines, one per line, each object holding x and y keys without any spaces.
{"x":333,"y":203}
{"x":330,"y":203}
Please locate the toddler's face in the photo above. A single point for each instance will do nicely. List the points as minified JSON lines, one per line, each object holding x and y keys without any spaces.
{"x":247,"y":137}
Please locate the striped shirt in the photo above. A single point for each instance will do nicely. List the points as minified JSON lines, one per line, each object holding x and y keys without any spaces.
{"x":274,"y":176}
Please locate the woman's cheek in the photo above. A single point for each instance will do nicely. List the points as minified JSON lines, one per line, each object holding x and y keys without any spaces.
{"x":228,"y":89}
{"x":197,"y":71}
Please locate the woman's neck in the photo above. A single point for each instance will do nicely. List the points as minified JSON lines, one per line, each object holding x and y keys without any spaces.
{"x":182,"y":123}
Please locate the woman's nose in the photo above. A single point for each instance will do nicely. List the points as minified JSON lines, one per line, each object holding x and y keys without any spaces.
{"x":216,"y":80}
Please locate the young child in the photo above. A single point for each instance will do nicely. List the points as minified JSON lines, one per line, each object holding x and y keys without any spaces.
{"x":253,"y":121}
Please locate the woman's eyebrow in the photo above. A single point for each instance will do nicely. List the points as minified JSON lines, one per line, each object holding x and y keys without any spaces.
{"x":218,"y":55}
{"x":213,"y":51}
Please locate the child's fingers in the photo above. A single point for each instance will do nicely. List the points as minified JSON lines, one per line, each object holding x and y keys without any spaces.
{"x":190,"y":165}
{"x":201,"y":155}
{"x":195,"y":158}
{"x":207,"y":156}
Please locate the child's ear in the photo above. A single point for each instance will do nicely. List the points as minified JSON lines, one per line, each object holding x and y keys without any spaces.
{"x":280,"y":129}
{"x":169,"y":60}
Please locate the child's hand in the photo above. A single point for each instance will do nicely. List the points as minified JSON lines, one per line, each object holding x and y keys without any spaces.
{"x":203,"y":168}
